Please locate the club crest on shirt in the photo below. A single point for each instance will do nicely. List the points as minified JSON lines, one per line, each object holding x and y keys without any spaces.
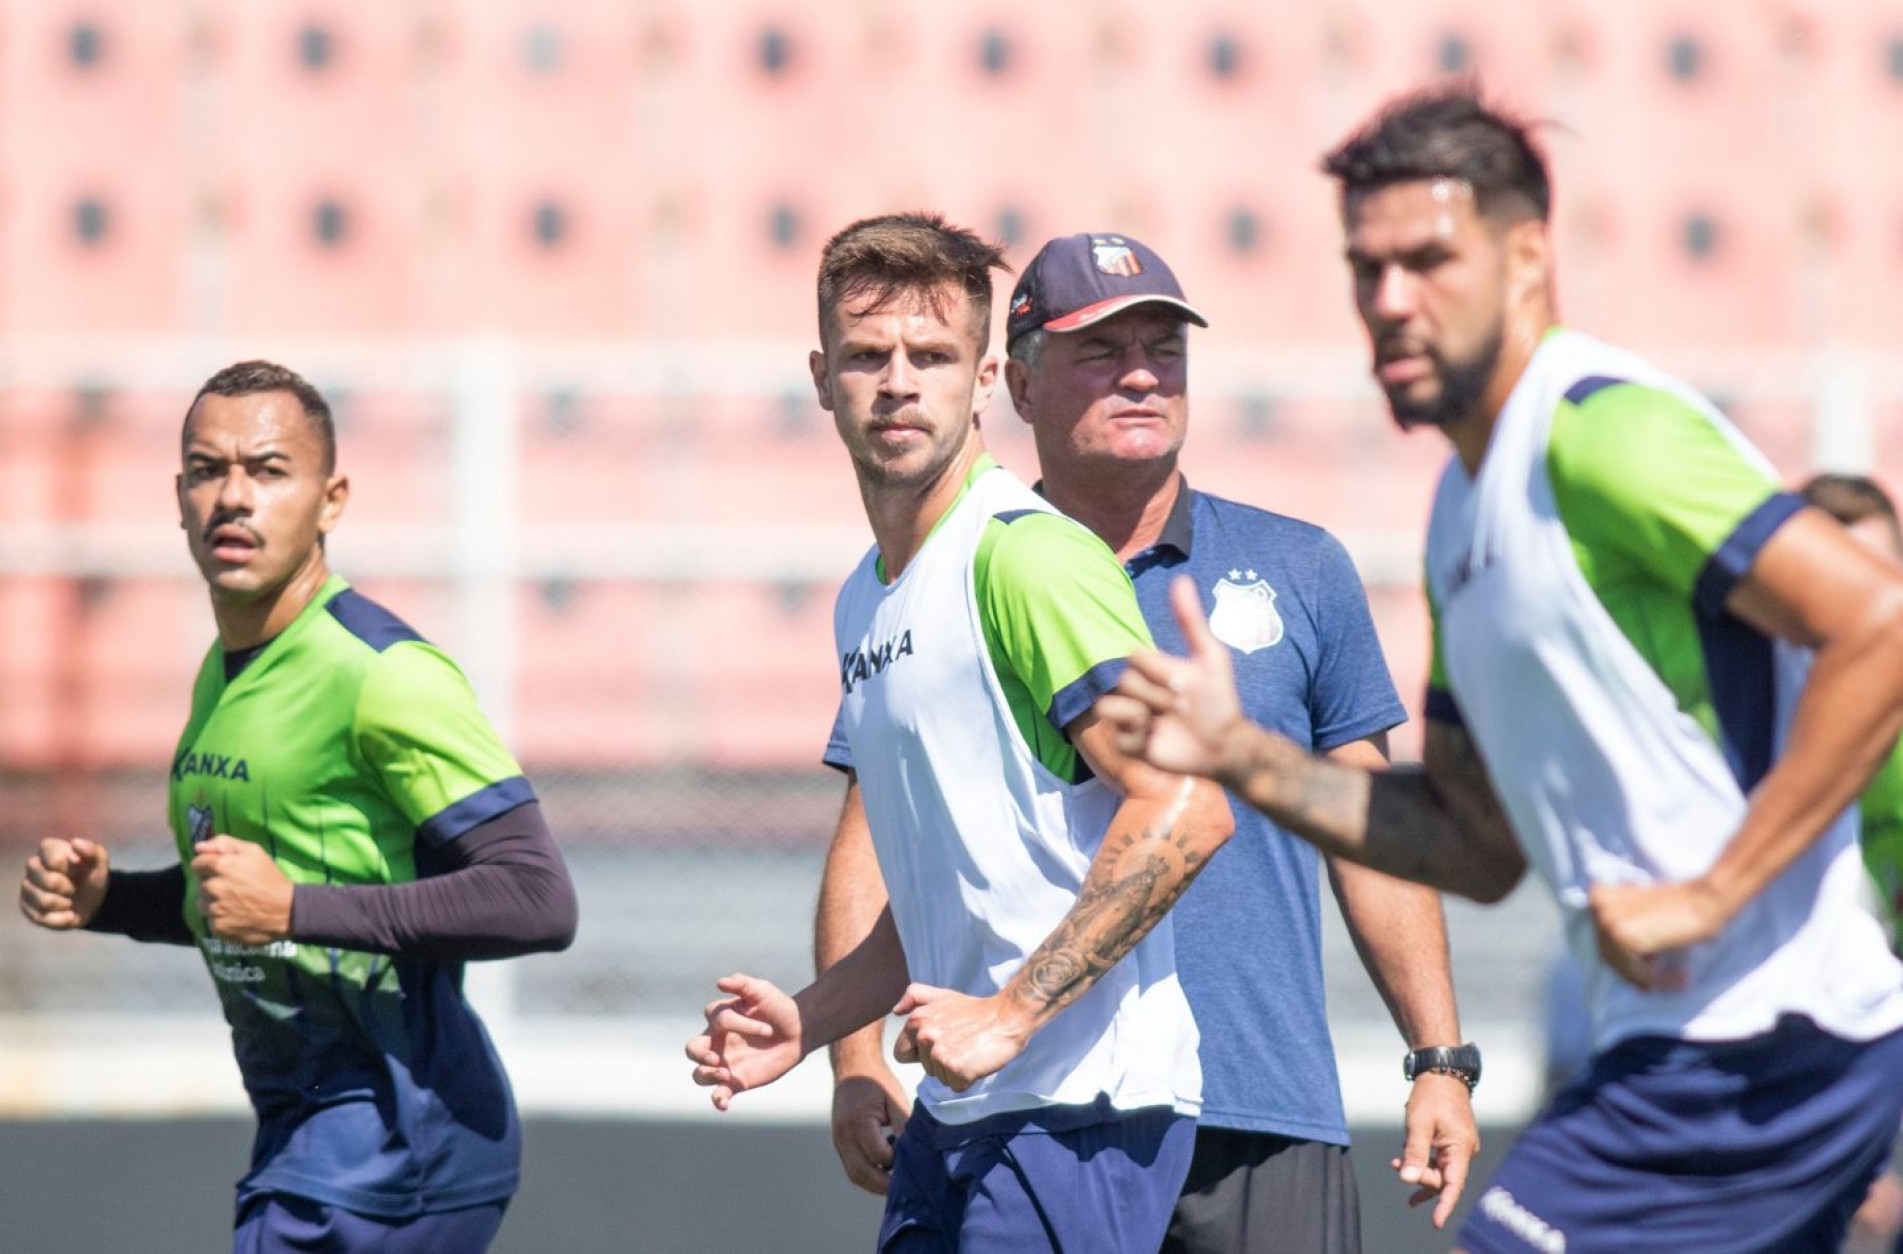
{"x":198,"y":818}
{"x":1113,"y":256}
{"x":1245,"y":617}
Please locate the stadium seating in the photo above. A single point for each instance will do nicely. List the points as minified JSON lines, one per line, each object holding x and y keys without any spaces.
{"x":637,"y":194}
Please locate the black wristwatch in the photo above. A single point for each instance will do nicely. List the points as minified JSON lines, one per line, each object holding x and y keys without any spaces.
{"x":1455,"y":1060}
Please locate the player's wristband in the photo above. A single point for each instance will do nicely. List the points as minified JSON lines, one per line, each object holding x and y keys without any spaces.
{"x":1460,"y":1061}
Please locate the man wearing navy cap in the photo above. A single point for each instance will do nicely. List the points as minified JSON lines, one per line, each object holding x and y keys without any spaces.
{"x":1098,"y":367}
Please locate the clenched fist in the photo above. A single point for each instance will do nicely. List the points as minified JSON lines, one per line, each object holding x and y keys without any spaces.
{"x":64,"y":884}
{"x":241,"y":892}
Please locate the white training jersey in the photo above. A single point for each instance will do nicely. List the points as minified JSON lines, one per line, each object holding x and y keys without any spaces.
{"x":983,"y":848}
{"x":1623,"y":715}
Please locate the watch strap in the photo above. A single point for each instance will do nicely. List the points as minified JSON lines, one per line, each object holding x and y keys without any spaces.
{"x":1462,"y":1061}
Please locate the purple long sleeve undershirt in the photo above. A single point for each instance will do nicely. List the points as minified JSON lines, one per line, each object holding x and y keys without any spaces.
{"x":497,"y":891}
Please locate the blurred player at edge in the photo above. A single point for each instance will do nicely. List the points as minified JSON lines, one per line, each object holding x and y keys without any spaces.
{"x":1868,"y":513}
{"x":1099,"y":368}
{"x":1030,"y":863}
{"x":350,"y":831}
{"x":1658,"y":679}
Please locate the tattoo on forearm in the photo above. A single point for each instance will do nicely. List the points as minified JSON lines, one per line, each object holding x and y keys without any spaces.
{"x":1114,"y":910}
{"x":1320,"y":794}
{"x":1405,"y":821}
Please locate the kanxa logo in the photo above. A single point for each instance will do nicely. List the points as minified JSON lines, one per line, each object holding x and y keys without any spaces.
{"x":211,"y":765}
{"x":861,"y":664}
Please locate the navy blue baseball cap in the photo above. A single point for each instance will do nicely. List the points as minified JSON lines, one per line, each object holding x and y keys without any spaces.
{"x":1077,"y":280}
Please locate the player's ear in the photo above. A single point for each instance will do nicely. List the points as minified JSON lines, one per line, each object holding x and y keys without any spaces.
{"x":1017,"y":381}
{"x":178,"y":490}
{"x":336,"y":496}
{"x":822,"y":378}
{"x":985,"y":383}
{"x":1529,"y":257}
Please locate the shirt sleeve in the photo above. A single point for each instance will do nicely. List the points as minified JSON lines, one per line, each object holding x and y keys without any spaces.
{"x":1057,"y":609}
{"x":1645,"y":475}
{"x":146,"y":906}
{"x":501,"y":891}
{"x":421,"y":733}
{"x":1351,"y":694}
{"x":838,"y":753}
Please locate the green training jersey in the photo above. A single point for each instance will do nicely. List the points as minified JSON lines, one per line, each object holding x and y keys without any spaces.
{"x":351,"y":750}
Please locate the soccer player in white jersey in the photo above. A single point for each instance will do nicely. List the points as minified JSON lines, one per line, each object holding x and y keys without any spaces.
{"x":1657,"y":680}
{"x":1029,"y":864}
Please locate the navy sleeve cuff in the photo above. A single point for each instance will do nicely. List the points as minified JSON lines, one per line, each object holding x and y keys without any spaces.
{"x":476,"y":809}
{"x":1076,"y":697}
{"x":1386,"y":719}
{"x":1442,"y":708}
{"x":1732,"y":561}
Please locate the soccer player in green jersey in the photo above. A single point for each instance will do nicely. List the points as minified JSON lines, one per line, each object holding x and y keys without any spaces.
{"x":350,"y":830}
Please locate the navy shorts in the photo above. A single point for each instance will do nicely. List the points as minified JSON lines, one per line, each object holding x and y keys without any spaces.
{"x":1751,"y":1147}
{"x":1071,"y":1179}
{"x":277,"y":1223}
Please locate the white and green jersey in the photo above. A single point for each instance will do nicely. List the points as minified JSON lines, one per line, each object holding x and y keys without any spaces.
{"x":1578,"y":587}
{"x":956,"y":680}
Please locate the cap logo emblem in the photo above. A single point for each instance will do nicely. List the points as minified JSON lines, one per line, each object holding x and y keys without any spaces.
{"x":1113,"y":256}
{"x":1022,"y":306}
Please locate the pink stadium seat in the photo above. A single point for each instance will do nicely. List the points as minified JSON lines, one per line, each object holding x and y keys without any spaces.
{"x":398,"y":449}
{"x":766,"y":683}
{"x":596,"y":661}
{"x":316,"y":138}
{"x":546,"y":173}
{"x":597,"y":459}
{"x":1857,"y":111}
{"x":117,"y":458}
{"x":98,"y":216}
{"x":767,"y":464}
{"x":127,"y":652}
{"x":1690,"y":244}
{"x":34,"y":728}
{"x":33,"y":425}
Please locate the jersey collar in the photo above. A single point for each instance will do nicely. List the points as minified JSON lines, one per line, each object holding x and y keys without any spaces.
{"x":256,"y":663}
{"x":985,"y":462}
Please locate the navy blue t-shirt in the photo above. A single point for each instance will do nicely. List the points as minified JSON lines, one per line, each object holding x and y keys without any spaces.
{"x":1287,"y":600}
